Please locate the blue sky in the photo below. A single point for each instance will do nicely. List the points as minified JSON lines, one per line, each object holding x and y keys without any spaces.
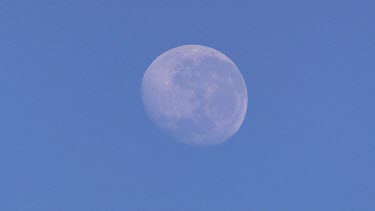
{"x":74,"y":134}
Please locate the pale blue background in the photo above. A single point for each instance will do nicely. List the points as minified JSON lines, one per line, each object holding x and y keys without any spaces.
{"x":74,"y":135}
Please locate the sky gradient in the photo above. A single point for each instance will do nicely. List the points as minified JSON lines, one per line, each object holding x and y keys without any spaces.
{"x":74,"y":134}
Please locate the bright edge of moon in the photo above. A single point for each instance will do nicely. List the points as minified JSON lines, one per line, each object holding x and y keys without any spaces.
{"x":195,"y":94}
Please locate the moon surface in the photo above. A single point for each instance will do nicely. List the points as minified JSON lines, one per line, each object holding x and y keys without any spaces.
{"x":196,"y":94}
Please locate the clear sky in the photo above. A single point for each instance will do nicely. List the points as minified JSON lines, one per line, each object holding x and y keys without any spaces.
{"x":74,"y":134}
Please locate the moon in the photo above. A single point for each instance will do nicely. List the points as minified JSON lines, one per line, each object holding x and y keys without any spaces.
{"x":195,"y":94}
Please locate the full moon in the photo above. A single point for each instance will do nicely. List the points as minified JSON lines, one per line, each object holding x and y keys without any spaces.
{"x":195,"y":94}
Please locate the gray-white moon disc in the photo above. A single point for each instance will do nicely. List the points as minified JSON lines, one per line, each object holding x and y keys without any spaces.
{"x":196,"y":94}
